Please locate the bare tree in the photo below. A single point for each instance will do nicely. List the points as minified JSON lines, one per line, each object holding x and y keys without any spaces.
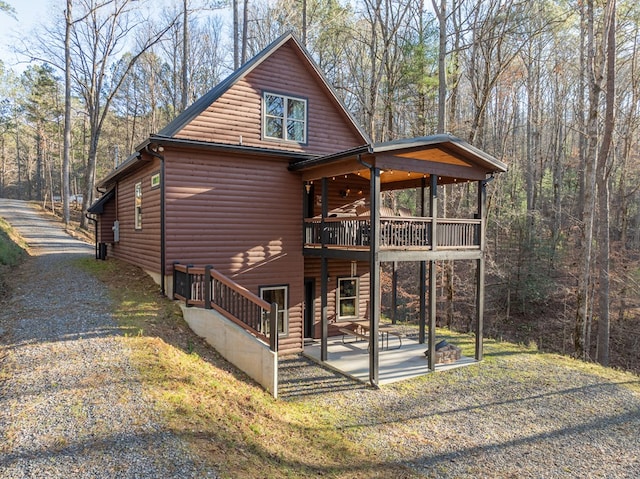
{"x":602,"y":179}
{"x":66,"y":149}
{"x":8,"y":9}
{"x":97,"y":39}
{"x":185,"y":55}
{"x":595,"y":72}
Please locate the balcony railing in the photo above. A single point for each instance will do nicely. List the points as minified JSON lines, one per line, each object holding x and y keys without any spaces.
{"x":205,"y":287}
{"x":395,"y":233}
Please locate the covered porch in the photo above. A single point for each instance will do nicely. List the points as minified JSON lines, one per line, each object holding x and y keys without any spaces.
{"x":351,"y":358}
{"x":344,"y":219}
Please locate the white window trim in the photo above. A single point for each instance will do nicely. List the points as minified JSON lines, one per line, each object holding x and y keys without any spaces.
{"x":356,"y":314}
{"x":137,"y":206}
{"x":285,"y":310}
{"x":284,"y":118}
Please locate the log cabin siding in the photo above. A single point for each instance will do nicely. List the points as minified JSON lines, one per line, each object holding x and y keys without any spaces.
{"x":236,"y":117}
{"x":358,"y":190}
{"x":337,"y":269}
{"x":105,"y":223}
{"x":140,"y":247}
{"x":241,"y":215}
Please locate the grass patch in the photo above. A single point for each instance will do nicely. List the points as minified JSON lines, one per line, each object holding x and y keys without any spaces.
{"x":227,"y":420}
{"x":12,"y":247}
{"x":242,"y":432}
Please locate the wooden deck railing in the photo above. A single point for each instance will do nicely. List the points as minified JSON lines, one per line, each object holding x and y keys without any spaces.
{"x":395,"y":232}
{"x":205,"y":287}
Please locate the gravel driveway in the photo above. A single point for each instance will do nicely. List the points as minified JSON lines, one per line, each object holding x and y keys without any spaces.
{"x":70,"y":402}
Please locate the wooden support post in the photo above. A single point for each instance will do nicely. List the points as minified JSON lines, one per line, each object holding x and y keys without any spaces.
{"x":394,"y":292}
{"x":479,"y":308}
{"x":324,"y":309}
{"x":432,"y":315}
{"x":273,"y":328}
{"x":482,"y":213}
{"x":207,"y":286}
{"x":422,"y":320}
{"x":433,"y":211}
{"x":324,"y":273}
{"x":423,"y":303}
{"x":187,"y":296}
{"x":374,"y":279}
{"x":175,"y":280}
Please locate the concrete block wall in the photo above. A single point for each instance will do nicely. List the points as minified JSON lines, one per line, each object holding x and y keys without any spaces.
{"x":236,"y":345}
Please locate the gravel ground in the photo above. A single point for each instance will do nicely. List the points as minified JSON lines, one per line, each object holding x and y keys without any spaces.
{"x":517,"y":416}
{"x":71,"y":403}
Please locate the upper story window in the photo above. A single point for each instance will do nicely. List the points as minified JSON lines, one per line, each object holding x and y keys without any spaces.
{"x":285,"y":118}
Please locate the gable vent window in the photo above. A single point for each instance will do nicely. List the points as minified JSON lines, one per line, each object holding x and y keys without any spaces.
{"x":285,"y":118}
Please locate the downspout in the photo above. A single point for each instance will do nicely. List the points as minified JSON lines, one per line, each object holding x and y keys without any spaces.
{"x":163,"y":253}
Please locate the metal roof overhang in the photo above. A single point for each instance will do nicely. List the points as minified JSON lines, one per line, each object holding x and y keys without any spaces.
{"x":136,"y":160}
{"x":97,"y":207}
{"x":405,"y":163}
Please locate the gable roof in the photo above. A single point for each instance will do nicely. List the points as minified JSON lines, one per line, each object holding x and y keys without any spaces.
{"x":442,"y":155}
{"x":447,"y":143}
{"x":200,"y":105}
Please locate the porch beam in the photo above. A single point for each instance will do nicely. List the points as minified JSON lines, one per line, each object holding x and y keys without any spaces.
{"x":441,"y":255}
{"x":335,"y":253}
{"x":430,"y":167}
{"x":334,"y":169}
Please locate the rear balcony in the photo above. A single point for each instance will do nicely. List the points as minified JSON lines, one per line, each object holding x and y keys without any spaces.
{"x":396,"y":233}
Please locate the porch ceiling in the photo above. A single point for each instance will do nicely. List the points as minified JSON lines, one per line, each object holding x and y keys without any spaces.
{"x":406,"y":162}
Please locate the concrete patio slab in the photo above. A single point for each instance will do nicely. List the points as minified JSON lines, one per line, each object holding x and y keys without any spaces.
{"x":352,"y":359}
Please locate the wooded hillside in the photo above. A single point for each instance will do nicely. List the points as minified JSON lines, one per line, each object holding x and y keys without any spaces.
{"x":551,"y":87}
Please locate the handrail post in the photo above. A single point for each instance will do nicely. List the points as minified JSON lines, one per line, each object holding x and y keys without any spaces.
{"x":207,"y":286}
{"x":175,"y":280}
{"x":187,"y":297}
{"x":273,"y":328}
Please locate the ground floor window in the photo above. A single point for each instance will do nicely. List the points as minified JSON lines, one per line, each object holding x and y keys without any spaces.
{"x":347,"y":300}
{"x":280,"y":296}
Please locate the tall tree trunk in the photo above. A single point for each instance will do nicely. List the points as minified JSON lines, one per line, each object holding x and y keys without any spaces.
{"x":441,"y":13}
{"x":594,"y":76}
{"x":603,"y":189}
{"x":18,"y":154}
{"x":39,"y":165}
{"x":304,"y":23}
{"x":582,"y":123}
{"x":67,"y":117}
{"x":185,"y":56}
{"x":245,"y":30}
{"x":236,"y":37}
{"x":454,"y":61}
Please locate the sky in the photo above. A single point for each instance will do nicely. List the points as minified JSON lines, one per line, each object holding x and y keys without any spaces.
{"x":29,"y":13}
